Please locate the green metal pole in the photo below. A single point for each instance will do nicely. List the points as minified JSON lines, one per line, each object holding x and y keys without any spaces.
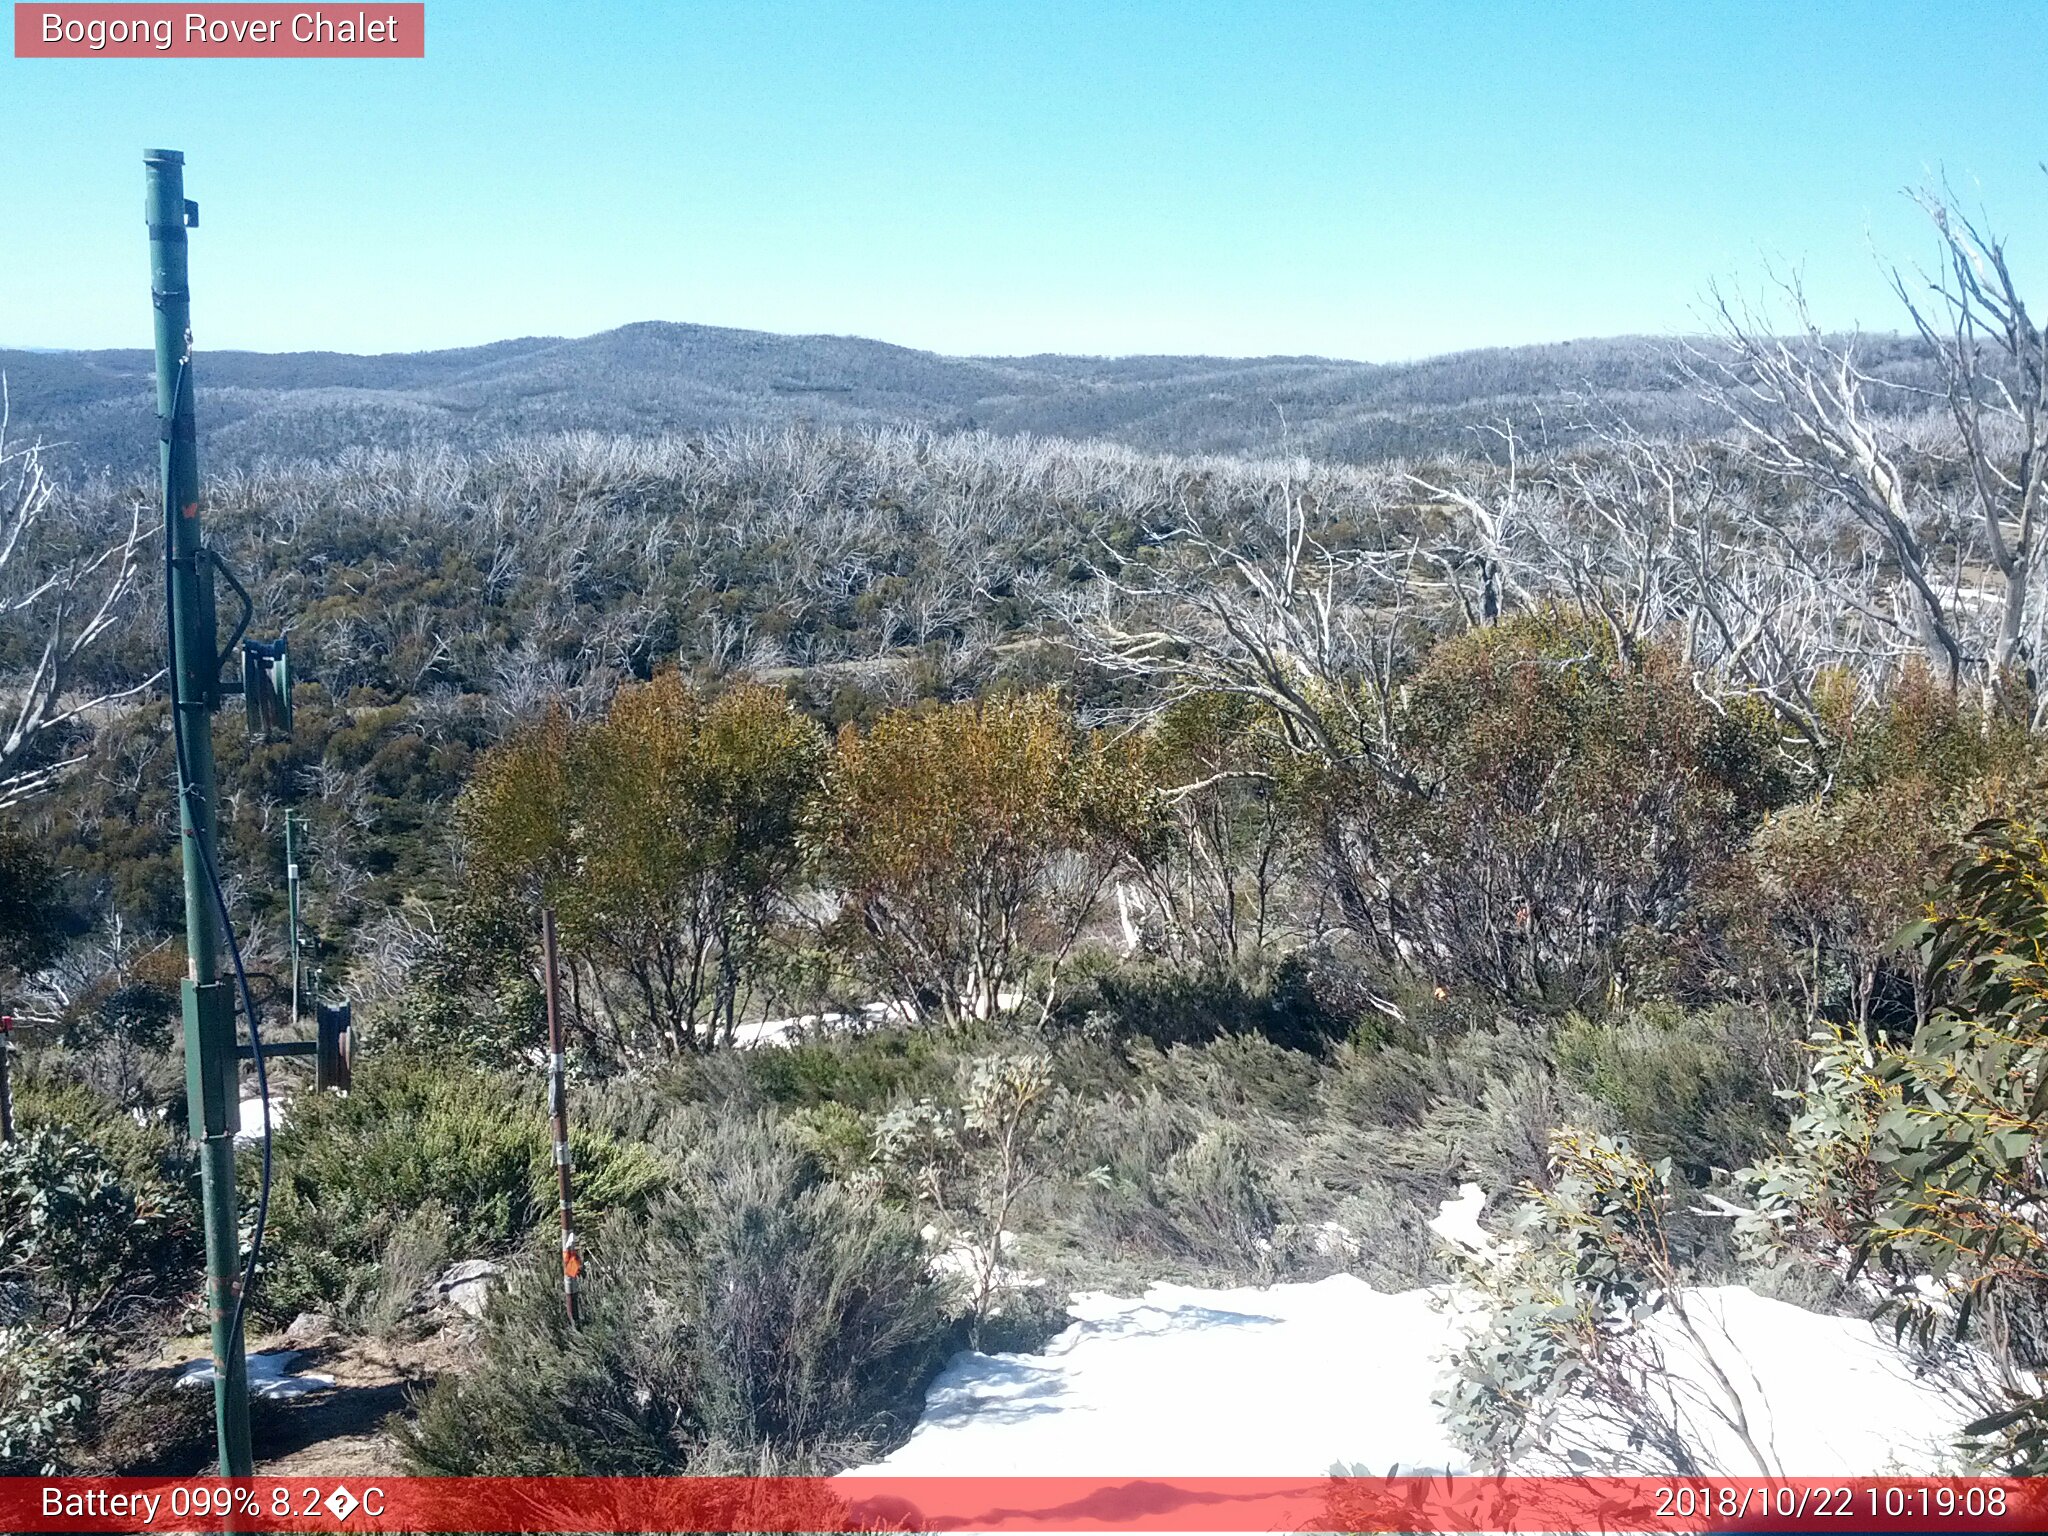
{"x":291,"y":879}
{"x":211,"y":1077}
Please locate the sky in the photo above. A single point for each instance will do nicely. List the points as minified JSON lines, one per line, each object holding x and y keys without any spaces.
{"x":1367,"y":180}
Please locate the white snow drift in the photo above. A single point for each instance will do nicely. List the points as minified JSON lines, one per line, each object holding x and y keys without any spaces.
{"x":270,"y":1375}
{"x":1294,"y":1380}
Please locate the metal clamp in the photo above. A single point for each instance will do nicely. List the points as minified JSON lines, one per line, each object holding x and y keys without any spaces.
{"x":248,"y":607}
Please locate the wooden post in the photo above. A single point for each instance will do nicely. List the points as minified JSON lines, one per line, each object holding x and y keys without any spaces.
{"x":558,"y":1109}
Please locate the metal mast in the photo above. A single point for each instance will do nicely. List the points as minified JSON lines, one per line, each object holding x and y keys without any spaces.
{"x":211,"y":1079}
{"x":291,"y":876}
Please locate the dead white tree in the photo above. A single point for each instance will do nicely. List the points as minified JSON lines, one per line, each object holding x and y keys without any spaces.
{"x":1262,"y":602}
{"x":65,"y":591}
{"x":1809,"y":412}
{"x":1993,"y":358}
{"x":1649,"y":539}
{"x":1805,"y":412}
{"x":1653,"y":538}
{"x":1485,"y":560}
{"x":1265,"y":610}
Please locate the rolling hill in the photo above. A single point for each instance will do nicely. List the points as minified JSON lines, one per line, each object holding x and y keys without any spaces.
{"x":659,"y":377}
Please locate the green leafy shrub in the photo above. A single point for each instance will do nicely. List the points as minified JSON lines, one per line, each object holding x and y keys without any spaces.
{"x":1809,"y":914}
{"x":135,"y":1003}
{"x":1211,"y":855}
{"x":472,"y":991}
{"x":77,"y":1239}
{"x":98,"y":1237}
{"x":1583,"y":1316}
{"x":666,"y":836}
{"x":839,"y":1139}
{"x":352,"y":1169}
{"x":45,"y":1387}
{"x":1556,"y":795}
{"x":969,"y":844}
{"x":148,"y":1151}
{"x":31,"y":909}
{"x":1923,"y":1157}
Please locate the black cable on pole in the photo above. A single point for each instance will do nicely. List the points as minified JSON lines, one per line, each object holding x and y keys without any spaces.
{"x":263,"y":1091}
{"x":227,"y":921}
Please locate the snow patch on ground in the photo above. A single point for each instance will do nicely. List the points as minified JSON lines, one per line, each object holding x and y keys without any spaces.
{"x":270,"y":1375}
{"x":968,"y":1261}
{"x":1186,"y":1381}
{"x":1825,"y":1396}
{"x":1293,"y":1380}
{"x":792,"y":1031}
{"x":250,"y":1126}
{"x":1457,"y":1221}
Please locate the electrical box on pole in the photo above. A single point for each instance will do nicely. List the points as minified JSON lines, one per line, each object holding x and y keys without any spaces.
{"x":333,"y":1025}
{"x":267,"y":687}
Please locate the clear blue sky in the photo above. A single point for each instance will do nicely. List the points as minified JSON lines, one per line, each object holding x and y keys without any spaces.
{"x":1356,"y":179}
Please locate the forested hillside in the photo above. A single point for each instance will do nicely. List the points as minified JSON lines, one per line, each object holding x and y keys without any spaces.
{"x":657,"y":378}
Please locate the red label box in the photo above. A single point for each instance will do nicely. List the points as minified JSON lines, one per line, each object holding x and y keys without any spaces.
{"x":1025,"y":1506}
{"x":371,"y":30}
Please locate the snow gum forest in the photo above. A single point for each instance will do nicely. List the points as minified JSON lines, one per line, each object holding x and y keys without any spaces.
{"x":1528,"y":891}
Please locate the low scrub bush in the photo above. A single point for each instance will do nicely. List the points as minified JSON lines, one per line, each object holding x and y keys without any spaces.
{"x":141,"y":1423}
{"x":1377,"y":1235}
{"x":1295,"y":1008}
{"x":819,"y":1323}
{"x":1158,"y":1184}
{"x":1699,"y":1088}
{"x":606,"y":1398}
{"x":1457,"y":1103}
{"x":412,"y":1135}
{"x":967,"y":1162}
{"x":866,"y":1073}
{"x":1237,"y":1072}
{"x":758,"y":1311}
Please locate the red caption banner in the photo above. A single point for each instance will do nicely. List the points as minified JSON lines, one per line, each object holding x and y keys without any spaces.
{"x":1847,"y":1506}
{"x":102,"y":31}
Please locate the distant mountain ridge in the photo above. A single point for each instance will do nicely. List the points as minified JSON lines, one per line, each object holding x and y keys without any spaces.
{"x":666,"y":377}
